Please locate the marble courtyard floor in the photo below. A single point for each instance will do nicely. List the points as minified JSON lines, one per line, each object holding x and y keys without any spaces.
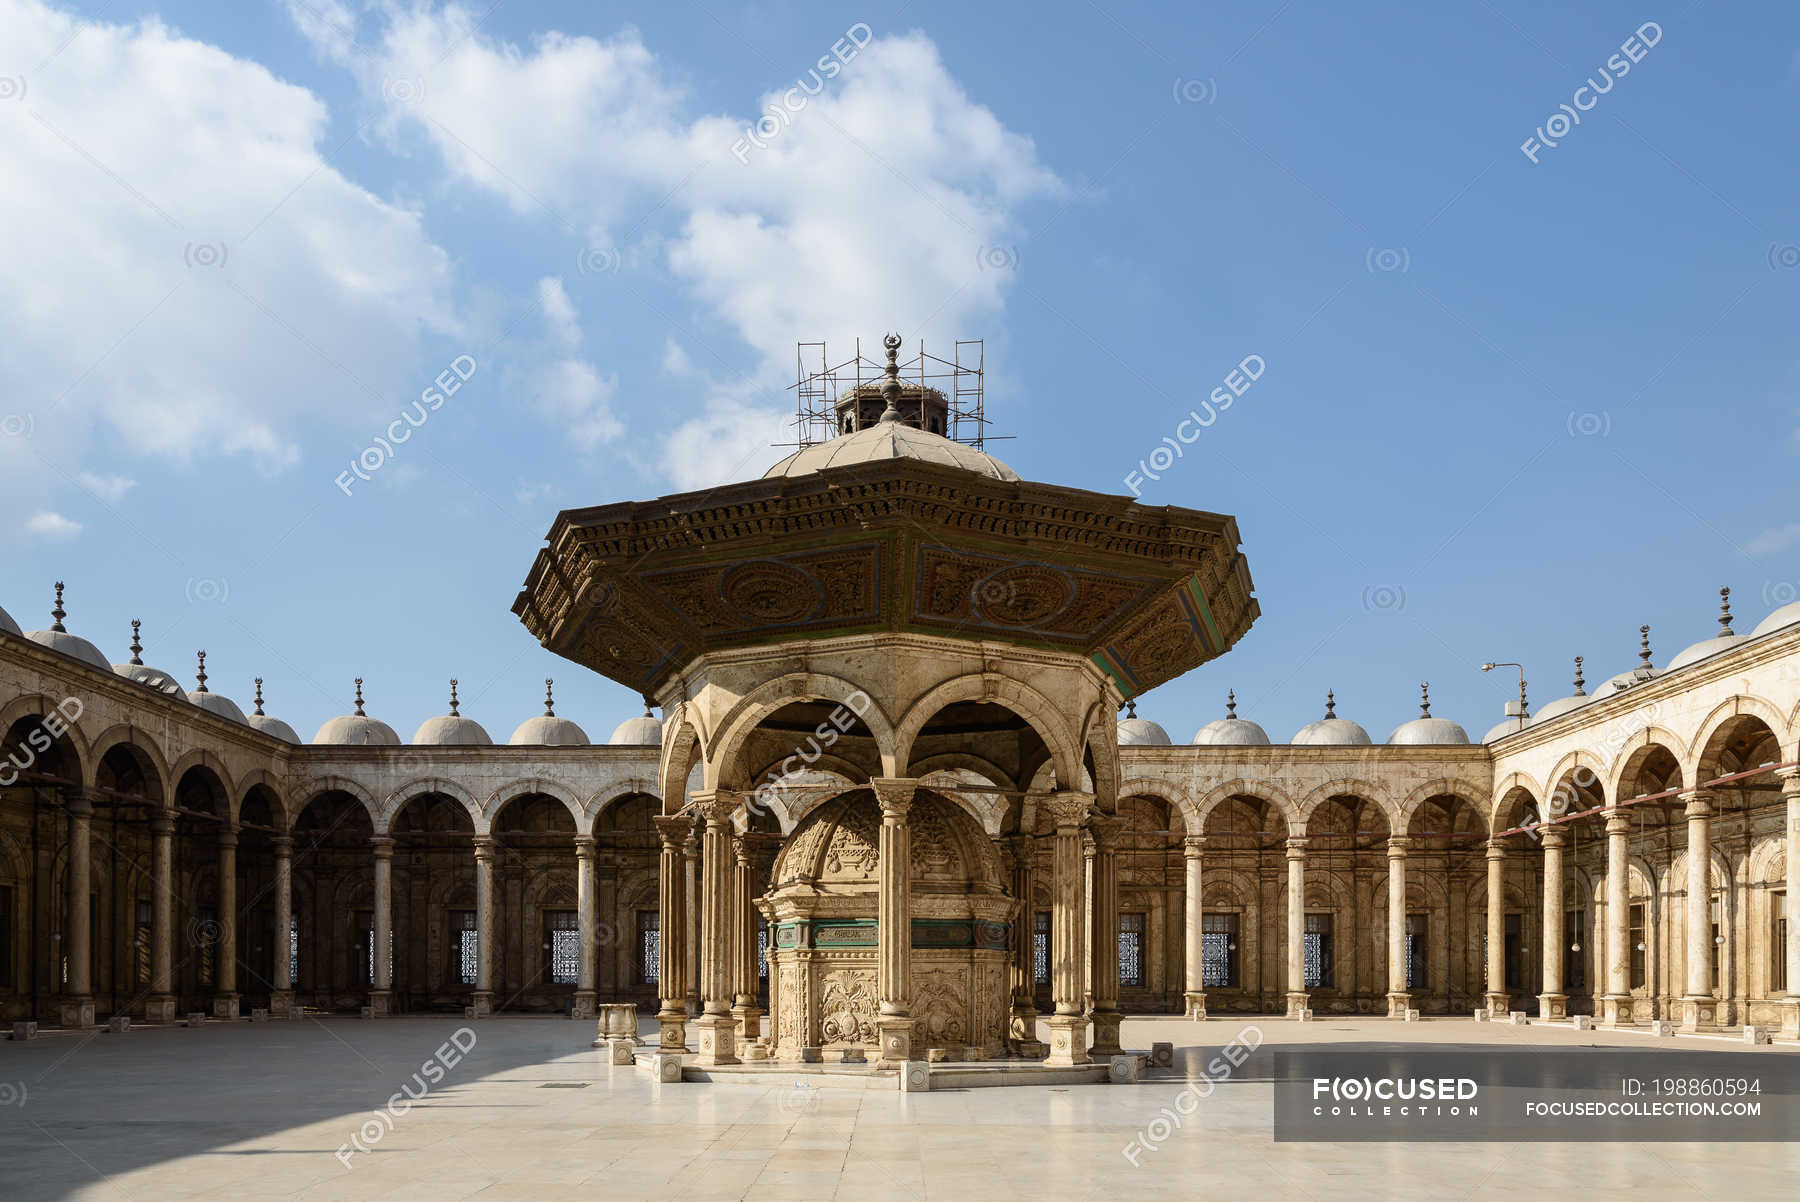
{"x":251,"y":1111}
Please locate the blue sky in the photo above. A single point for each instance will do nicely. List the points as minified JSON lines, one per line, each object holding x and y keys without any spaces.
{"x":1511,"y":410}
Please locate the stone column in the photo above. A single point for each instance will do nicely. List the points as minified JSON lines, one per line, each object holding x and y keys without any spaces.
{"x":1497,"y":999}
{"x":160,"y":1008}
{"x":744,"y":1008}
{"x":1296,"y":927}
{"x":717,"y":808}
{"x":381,"y":997}
{"x":1021,"y":1024}
{"x":1553,"y":1003}
{"x":1790,"y":1009}
{"x":1105,"y":830}
{"x":1399,"y":997}
{"x":77,"y":1009}
{"x":893,"y":924}
{"x":1699,"y":1009}
{"x":583,"y":1006}
{"x":1193,"y":847}
{"x":672,"y":873}
{"x":1068,"y":1027}
{"x":688,"y":917}
{"x":481,"y":1004}
{"x":1087,"y":922}
{"x":225,"y":994}
{"x":1615,"y":1005}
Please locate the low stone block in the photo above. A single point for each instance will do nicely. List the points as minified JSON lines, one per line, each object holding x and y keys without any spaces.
{"x":1659,"y":1027}
{"x":1122,"y":1070}
{"x":1033,"y":1049}
{"x":812,"y":1055}
{"x":296,"y":1013}
{"x":368,"y":1012}
{"x":196,"y":1018}
{"x":973,"y":1053}
{"x":25,"y":1031}
{"x":1481,"y":1016}
{"x":259,"y":1016}
{"x":853,"y":1054}
{"x":620,"y":1051}
{"x":118,"y":1024}
{"x":1411,"y":1016}
{"x":915,"y":1077}
{"x":1756,"y":1034}
{"x":1583,"y":1022}
{"x":1516,"y":1017}
{"x":668,"y":1068}
{"x":1162,"y":1055}
{"x":756,"y":1051}
{"x":937,"y":1055}
{"x":1304,"y":1016}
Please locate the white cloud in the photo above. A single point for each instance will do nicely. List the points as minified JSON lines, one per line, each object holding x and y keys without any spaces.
{"x":196,"y":276}
{"x":557,"y":384}
{"x":1778,"y":539}
{"x":868,"y":210}
{"x":52,"y":527}
{"x":111,"y":489}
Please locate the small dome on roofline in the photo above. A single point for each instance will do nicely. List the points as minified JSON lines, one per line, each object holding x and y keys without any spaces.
{"x":214,"y":703}
{"x":1511,"y":726}
{"x":1140,"y":732}
{"x":642,"y":731}
{"x":275,"y":728}
{"x":1573,"y":701}
{"x":152,"y":678}
{"x":358,"y":729}
{"x":1231,"y":730}
{"x":1425,"y":730}
{"x":1645,"y":671}
{"x":8,"y":626}
{"x":60,"y":640}
{"x":1781,"y":619}
{"x":547,"y":730}
{"x":452,"y":729}
{"x":1331,"y":730}
{"x":1724,"y":640}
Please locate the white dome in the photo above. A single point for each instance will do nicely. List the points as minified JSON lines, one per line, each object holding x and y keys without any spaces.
{"x":1422,"y":732}
{"x":151,"y":678}
{"x":547,"y":730}
{"x":452,"y":730}
{"x":8,"y":626}
{"x":1331,"y":732}
{"x":1141,"y":732}
{"x":1784,"y":617}
{"x":1703,"y":650}
{"x":69,"y":644}
{"x":645,"y":730}
{"x":357,"y":730}
{"x":275,"y":728}
{"x":1508,"y":727}
{"x":1562,"y":705}
{"x":890,"y":440}
{"x":1231,"y":732}
{"x":1625,"y":680}
{"x":217,"y":703}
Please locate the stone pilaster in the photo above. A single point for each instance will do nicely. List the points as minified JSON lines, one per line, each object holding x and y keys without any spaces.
{"x":1399,"y":998}
{"x":482,"y":1003}
{"x":1553,"y":1003}
{"x":1068,"y":1027}
{"x":1104,"y":986}
{"x":1699,"y":1009}
{"x":225,"y":995}
{"x":1021,"y":1023}
{"x":1297,"y":997}
{"x":77,"y":1007}
{"x":688,"y":918}
{"x":893,"y":968}
{"x":160,"y":1007}
{"x":1790,"y":1010}
{"x":583,"y":1006}
{"x":1616,"y":1003}
{"x":671,"y":963}
{"x":716,"y":1030}
{"x":1498,"y":999}
{"x":744,"y":1009}
{"x":1193,"y":850}
{"x":381,"y":997}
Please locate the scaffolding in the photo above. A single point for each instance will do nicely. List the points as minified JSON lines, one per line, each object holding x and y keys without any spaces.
{"x":819,"y":386}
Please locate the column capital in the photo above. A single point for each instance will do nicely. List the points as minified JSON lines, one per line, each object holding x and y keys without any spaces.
{"x":484,"y":846}
{"x":894,"y":793}
{"x":1790,"y":781}
{"x":1192,"y":846}
{"x":717,"y":807}
{"x":383,"y":845}
{"x":1618,"y":822}
{"x":674,"y":830}
{"x":1553,"y":836}
{"x":584,"y":847}
{"x":79,"y":805}
{"x":1066,"y":809}
{"x":228,"y":835}
{"x":283,"y":844}
{"x":1496,"y":849}
{"x":1296,"y":847}
{"x":162,"y":823}
{"x":1105,"y":830}
{"x":1398,"y":846}
{"x":1698,"y":803}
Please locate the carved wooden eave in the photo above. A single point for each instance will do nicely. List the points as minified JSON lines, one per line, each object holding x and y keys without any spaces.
{"x":637,"y":589}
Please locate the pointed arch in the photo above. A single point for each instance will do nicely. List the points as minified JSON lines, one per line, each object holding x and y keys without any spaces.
{"x":1178,"y":799}
{"x":40,"y":705}
{"x":1262,"y":791}
{"x":995,"y":688}
{"x":723,"y":751}
{"x":397,"y":798}
{"x":139,"y":740}
{"x":512,"y":790}
{"x":1347,"y":786}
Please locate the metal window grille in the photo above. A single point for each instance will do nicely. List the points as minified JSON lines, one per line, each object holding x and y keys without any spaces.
{"x":1131,"y":949}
